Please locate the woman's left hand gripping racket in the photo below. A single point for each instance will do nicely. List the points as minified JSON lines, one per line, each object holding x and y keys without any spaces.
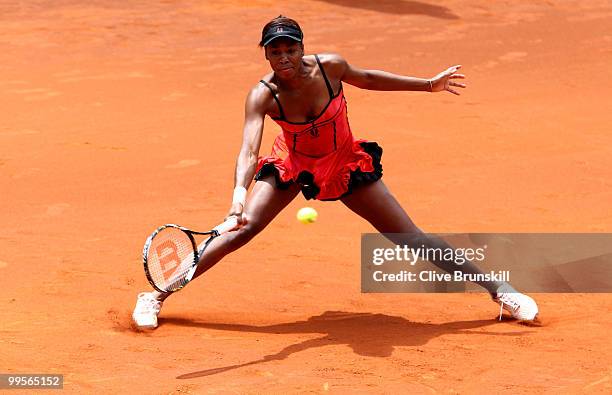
{"x":171,"y":256}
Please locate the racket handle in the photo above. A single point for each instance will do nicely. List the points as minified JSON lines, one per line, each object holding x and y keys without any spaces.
{"x":228,"y":225}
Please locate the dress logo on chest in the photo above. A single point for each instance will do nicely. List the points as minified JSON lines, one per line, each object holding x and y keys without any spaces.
{"x":314,"y":132}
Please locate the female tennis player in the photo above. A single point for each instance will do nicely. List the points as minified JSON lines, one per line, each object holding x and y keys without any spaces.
{"x":317,"y":154}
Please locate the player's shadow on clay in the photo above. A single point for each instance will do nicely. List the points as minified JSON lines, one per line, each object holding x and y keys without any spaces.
{"x":397,"y":7}
{"x":368,"y":334}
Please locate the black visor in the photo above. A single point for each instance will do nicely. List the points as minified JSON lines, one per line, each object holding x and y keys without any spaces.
{"x":275,"y":32}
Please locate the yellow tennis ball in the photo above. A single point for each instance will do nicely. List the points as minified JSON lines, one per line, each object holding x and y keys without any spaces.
{"x":307,"y":215}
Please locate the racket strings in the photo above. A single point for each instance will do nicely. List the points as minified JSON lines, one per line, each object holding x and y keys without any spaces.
{"x":170,"y":256}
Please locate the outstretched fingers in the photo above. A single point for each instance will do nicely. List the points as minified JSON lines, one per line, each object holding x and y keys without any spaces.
{"x":453,"y":69}
{"x":453,"y":91}
{"x":445,"y":80}
{"x":457,"y":84}
{"x":451,"y":75}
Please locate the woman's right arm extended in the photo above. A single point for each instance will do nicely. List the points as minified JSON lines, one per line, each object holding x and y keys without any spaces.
{"x":246,"y":163}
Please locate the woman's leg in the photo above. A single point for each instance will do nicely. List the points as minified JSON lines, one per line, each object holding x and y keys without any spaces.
{"x":376,"y":204}
{"x":265,"y":202}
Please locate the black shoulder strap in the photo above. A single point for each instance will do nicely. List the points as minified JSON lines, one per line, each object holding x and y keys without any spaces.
{"x":280,"y":108}
{"x":329,"y":88}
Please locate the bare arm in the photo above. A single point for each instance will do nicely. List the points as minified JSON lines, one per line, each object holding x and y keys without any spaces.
{"x":246,"y":163}
{"x":385,"y":81}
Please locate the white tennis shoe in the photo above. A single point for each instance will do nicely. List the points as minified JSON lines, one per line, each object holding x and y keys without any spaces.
{"x":521,"y":306}
{"x":146,"y":311}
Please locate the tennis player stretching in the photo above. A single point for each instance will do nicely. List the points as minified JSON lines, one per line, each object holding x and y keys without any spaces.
{"x":317,"y":154}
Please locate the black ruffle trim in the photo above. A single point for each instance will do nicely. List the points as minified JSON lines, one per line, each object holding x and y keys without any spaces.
{"x":269,"y":169}
{"x":359,"y":177}
{"x":310,"y":190}
{"x":306,"y":179}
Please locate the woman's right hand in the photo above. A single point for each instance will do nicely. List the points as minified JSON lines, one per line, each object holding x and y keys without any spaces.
{"x":237,"y":211}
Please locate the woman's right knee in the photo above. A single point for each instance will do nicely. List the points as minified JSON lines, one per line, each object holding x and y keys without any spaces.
{"x":243,"y":235}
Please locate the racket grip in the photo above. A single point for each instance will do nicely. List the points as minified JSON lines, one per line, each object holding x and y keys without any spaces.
{"x":228,"y":225}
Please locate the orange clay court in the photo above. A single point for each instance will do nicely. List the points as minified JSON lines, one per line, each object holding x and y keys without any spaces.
{"x":117,"y":118}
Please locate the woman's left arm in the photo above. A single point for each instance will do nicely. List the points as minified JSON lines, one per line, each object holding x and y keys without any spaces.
{"x":384,"y":81}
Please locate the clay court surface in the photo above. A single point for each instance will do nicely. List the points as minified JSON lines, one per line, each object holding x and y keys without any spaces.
{"x":118,"y":117}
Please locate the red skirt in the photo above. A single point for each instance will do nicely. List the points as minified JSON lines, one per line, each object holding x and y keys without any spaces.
{"x":329,"y":177}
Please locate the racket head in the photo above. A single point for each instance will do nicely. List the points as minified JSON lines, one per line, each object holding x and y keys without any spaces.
{"x":169,"y":254}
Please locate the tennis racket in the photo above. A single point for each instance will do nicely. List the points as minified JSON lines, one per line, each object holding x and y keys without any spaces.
{"x":170,"y":255}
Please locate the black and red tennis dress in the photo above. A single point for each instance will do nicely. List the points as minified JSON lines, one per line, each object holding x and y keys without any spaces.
{"x":321,"y":155}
